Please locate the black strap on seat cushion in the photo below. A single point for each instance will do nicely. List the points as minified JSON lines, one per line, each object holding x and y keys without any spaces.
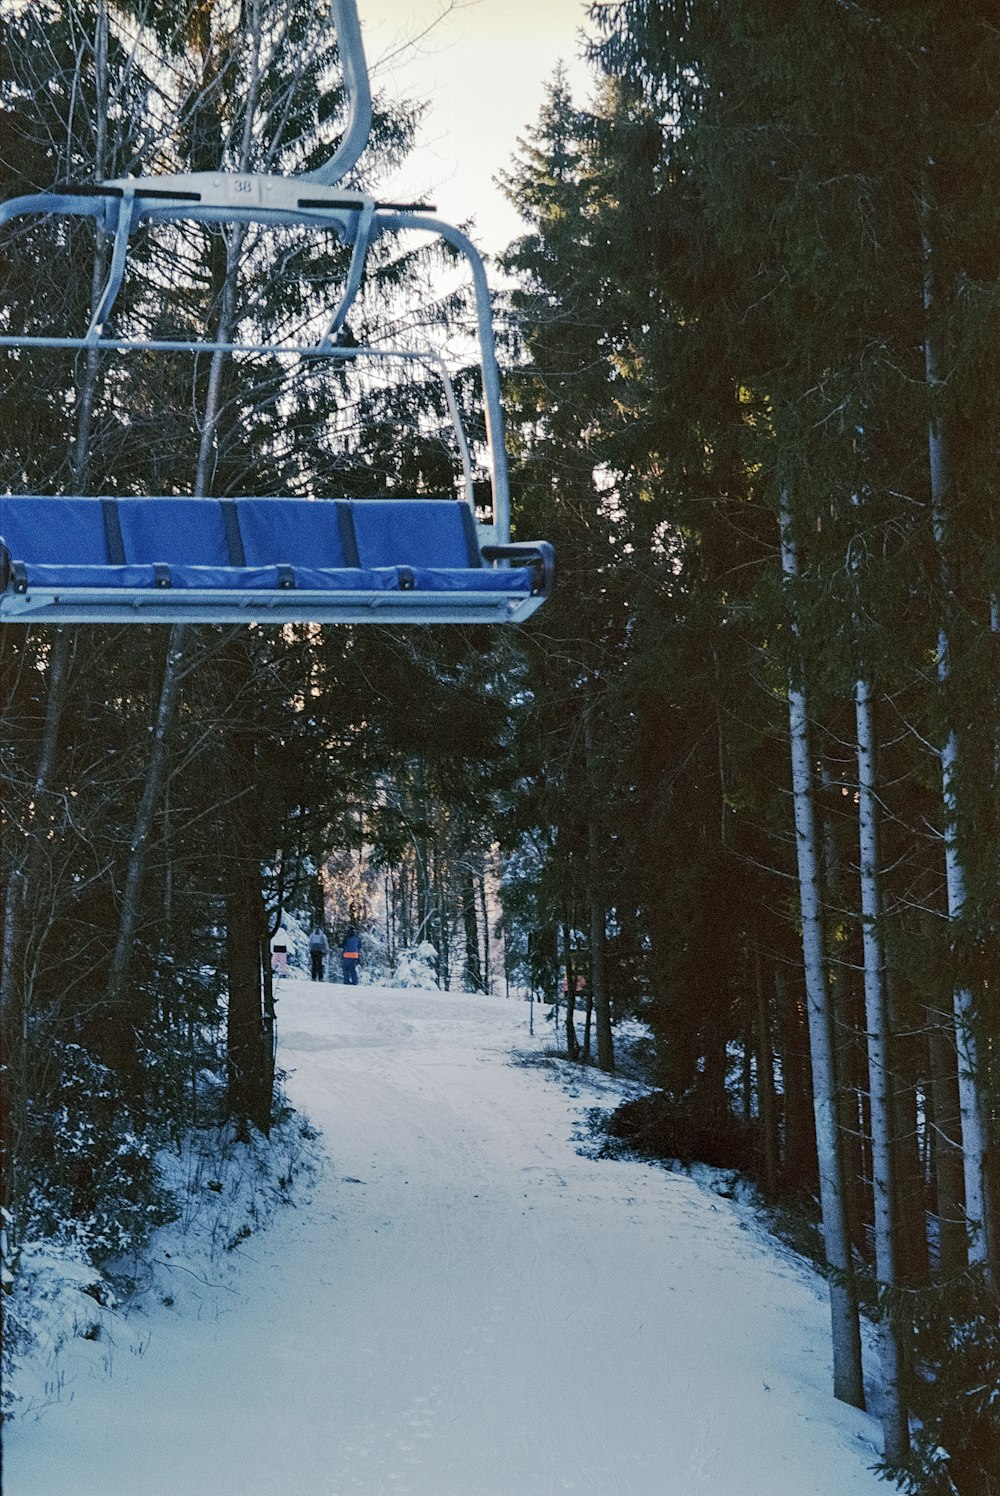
{"x":286,"y":576}
{"x":348,"y":539}
{"x":113,"y":533}
{"x":161,"y":575}
{"x":234,"y":540}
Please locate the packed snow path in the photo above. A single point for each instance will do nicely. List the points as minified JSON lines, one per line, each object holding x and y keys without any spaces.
{"x":467,"y":1306}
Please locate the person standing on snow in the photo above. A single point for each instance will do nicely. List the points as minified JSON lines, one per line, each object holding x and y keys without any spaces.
{"x":318,"y":949}
{"x":350,"y":954}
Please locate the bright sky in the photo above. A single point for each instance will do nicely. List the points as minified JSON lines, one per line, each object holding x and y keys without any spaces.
{"x":482,"y":70}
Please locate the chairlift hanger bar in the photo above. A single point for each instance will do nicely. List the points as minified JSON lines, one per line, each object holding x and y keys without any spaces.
{"x":359,"y":95}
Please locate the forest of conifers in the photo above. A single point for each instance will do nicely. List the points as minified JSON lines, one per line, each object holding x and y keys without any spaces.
{"x":741,"y":774}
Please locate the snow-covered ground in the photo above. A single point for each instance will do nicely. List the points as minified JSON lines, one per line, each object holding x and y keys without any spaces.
{"x":460,"y":1304}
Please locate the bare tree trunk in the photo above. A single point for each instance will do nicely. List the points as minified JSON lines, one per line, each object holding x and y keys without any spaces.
{"x":895,"y":1423}
{"x":766,"y":1108}
{"x":598,"y":962}
{"x":246,"y":1052}
{"x":799,"y":1129}
{"x":441,"y":907}
{"x":911,"y":1235}
{"x":402,"y":919}
{"x":949,"y":1170}
{"x":747,"y":1058}
{"x":848,"y":1380}
{"x":487,"y":960}
{"x":846,"y":1060}
{"x":123,"y":1016}
{"x":473,"y":969}
{"x":250,"y":1018}
{"x":25,"y":868}
{"x":975,"y":1128}
{"x":269,"y":1035}
{"x":207,"y":445}
{"x":572,"y":1043}
{"x":598,"y":915}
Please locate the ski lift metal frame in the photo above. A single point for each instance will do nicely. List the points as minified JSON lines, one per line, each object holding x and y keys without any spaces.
{"x":316,"y":200}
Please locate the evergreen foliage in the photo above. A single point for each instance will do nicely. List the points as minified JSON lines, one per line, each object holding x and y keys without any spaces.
{"x":739,"y":263}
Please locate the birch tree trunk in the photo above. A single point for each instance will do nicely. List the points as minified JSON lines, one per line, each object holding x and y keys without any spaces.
{"x":843,"y":1007}
{"x":982,"y":1249}
{"x":598,"y":995}
{"x":946,"y":1120}
{"x":485,"y":911}
{"x":766,"y":1108}
{"x":895,"y":1423}
{"x":572,"y":1042}
{"x":848,"y":1381}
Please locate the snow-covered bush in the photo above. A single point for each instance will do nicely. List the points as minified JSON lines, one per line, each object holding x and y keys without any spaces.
{"x":374,"y":966}
{"x":97,"y":1186}
{"x":225,"y":1191}
{"x":416,"y":966}
{"x":56,"y":1296}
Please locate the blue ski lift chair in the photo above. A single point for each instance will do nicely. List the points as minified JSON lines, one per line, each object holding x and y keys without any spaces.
{"x":174,"y":559}
{"x":69,"y":559}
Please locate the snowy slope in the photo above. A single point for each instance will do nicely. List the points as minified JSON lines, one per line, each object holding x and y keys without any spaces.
{"x":464,"y":1306}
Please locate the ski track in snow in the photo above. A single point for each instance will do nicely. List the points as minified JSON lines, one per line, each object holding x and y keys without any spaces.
{"x":463,"y":1305}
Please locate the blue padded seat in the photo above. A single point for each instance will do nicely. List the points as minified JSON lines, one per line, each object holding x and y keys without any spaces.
{"x":78,"y":540}
{"x":294,"y":532}
{"x":406,"y":532}
{"x":189,"y":538}
{"x":313,"y":537}
{"x":174,"y":531}
{"x":72,"y":553}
